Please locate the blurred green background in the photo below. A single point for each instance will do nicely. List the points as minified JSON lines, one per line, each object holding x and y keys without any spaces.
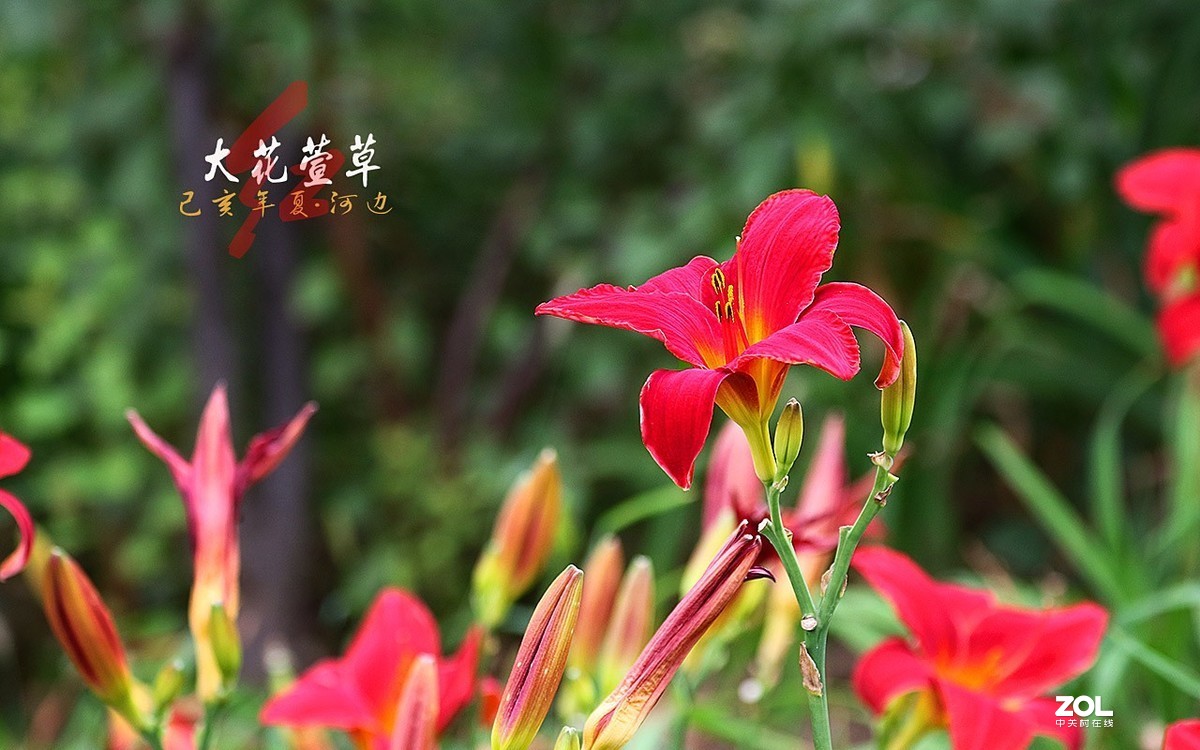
{"x":530,"y":148}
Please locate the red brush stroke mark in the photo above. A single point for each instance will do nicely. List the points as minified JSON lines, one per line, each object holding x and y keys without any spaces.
{"x":241,"y":156}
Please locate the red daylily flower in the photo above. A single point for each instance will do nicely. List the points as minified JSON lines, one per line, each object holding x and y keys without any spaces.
{"x":1167,"y":183}
{"x":987,"y":664}
{"x":212,"y":485}
{"x":13,"y":458}
{"x":1183,"y":735}
{"x":740,"y":325}
{"x":360,"y":692}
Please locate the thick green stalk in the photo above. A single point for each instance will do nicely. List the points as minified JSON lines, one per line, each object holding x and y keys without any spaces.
{"x":814,"y":641}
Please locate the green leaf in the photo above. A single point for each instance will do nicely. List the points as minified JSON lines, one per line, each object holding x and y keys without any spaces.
{"x":1052,"y":511}
{"x":1106,"y":473}
{"x":1080,"y":299}
{"x":641,"y":507}
{"x":1179,"y":675}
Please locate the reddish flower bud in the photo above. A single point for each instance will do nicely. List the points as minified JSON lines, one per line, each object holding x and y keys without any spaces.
{"x":613,"y":724}
{"x":630,"y":626}
{"x":602,"y":576}
{"x":86,"y":631}
{"x":521,"y":540}
{"x":417,"y":710}
{"x":539,"y":664}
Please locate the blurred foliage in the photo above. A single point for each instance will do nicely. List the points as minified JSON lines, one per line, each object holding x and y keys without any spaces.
{"x":531,"y":148}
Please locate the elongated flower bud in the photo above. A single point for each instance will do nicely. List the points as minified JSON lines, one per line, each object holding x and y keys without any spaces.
{"x":86,"y":631}
{"x":613,"y":724}
{"x":417,"y":710}
{"x":896,"y":403}
{"x":521,"y":541}
{"x":602,"y":577}
{"x":568,"y":739}
{"x":631,"y":625}
{"x":540,"y":662}
{"x":789,"y":435}
{"x":226,"y":644}
{"x":168,"y":685}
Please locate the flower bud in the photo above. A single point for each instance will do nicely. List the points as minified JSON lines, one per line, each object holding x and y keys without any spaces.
{"x":539,"y":665}
{"x":613,"y":724}
{"x":84,"y":627}
{"x":168,"y":685}
{"x":226,"y":644}
{"x":896,"y":403}
{"x":568,"y":739}
{"x":631,"y":624}
{"x":521,"y":541}
{"x":602,"y":576}
{"x":789,"y":434}
{"x":415,"y":727}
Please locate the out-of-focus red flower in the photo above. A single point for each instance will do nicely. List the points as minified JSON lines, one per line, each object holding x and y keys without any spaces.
{"x":986,"y":664}
{"x":1167,"y":183}
{"x":740,"y":325}
{"x":13,"y":457}
{"x":360,"y":692}
{"x":826,"y":500}
{"x":212,"y":485}
{"x":1183,"y":735}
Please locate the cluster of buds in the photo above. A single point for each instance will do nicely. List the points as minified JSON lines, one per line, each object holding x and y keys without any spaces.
{"x":612,"y":725}
{"x":616,"y":619}
{"x":521,"y":541}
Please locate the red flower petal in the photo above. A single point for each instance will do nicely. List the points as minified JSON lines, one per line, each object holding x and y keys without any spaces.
{"x":325,"y":697}
{"x":823,"y":494}
{"x":1042,"y":649}
{"x":937,"y":614}
{"x":1179,"y":328}
{"x":1165,"y":181}
{"x":13,"y":455}
{"x":1174,"y":245}
{"x":456,"y":678}
{"x":397,"y":628}
{"x":666,"y":308}
{"x":788,"y":242}
{"x":1183,"y":735}
{"x":820,"y":339}
{"x":181,"y":470}
{"x":15,"y":562}
{"x":860,"y":307}
{"x":1040,"y":715}
{"x":731,"y":481}
{"x":268,"y":449}
{"x":677,"y":407}
{"x":978,"y":722}
{"x":886,"y":671}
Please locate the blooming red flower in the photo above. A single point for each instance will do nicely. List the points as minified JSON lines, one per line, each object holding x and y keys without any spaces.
{"x":212,"y":485}
{"x":1183,"y":735}
{"x":740,"y":325}
{"x":13,"y":457}
{"x":986,"y":664}
{"x":359,"y":693}
{"x":1167,"y":183}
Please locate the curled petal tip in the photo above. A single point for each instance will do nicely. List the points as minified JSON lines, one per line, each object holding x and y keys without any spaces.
{"x":759,"y":572}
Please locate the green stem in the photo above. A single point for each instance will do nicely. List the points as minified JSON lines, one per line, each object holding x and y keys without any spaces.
{"x":814,"y":641}
{"x":848,"y":539}
{"x":686,"y":698}
{"x":211,"y":712}
{"x":816,"y":637}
